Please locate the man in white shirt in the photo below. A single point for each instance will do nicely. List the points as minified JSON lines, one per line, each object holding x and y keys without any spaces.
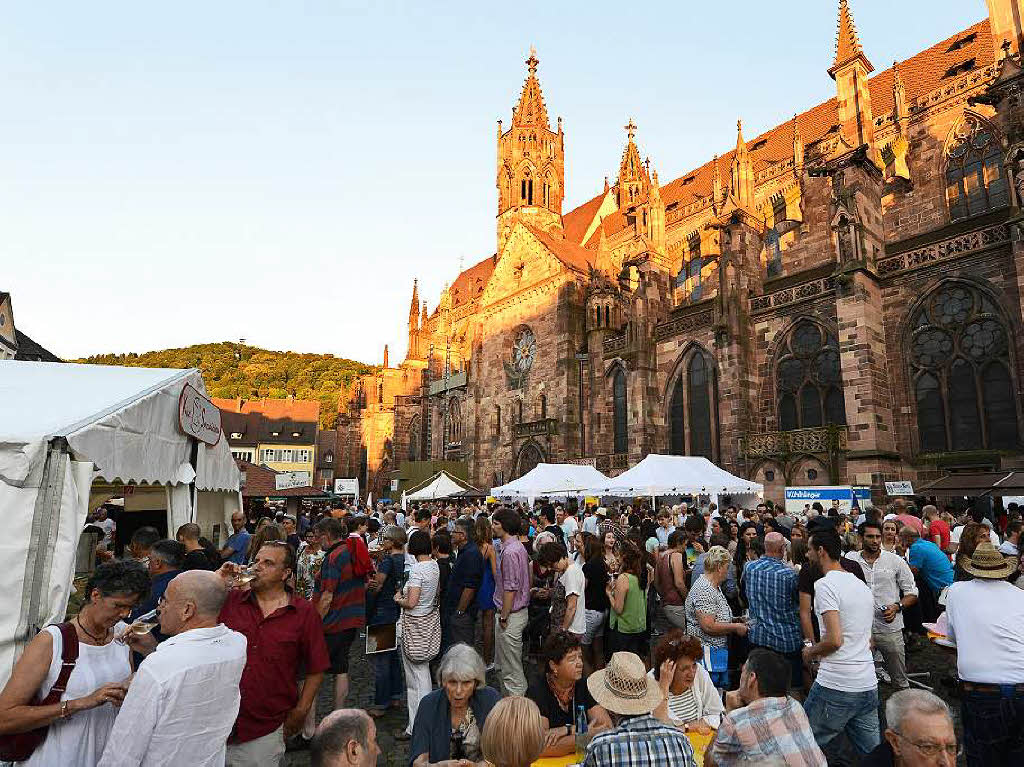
{"x":844,"y":696}
{"x":590,"y":520}
{"x":986,"y":622}
{"x":887,"y":575}
{"x":1011,"y":546}
{"x":183,"y":700}
{"x":568,"y":524}
{"x":552,"y":556}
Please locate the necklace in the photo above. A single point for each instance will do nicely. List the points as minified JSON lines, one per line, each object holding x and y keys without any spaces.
{"x":93,"y":637}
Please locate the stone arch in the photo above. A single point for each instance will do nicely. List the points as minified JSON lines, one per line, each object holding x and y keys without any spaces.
{"x":684,"y":398}
{"x":529,"y":455}
{"x":780,"y":351}
{"x":801,"y":466}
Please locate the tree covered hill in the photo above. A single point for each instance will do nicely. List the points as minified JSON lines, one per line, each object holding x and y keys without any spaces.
{"x":234,"y":370}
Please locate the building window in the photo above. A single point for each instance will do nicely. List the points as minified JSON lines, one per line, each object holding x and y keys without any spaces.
{"x":677,"y":421}
{"x":497,"y":421}
{"x":414,"y":439}
{"x":975,"y":182}
{"x":699,"y":411}
{"x":328,"y":457}
{"x":808,"y":380}
{"x":690,"y":278}
{"x":960,"y":368}
{"x":543,"y":407}
{"x":453,"y":423}
{"x":620,"y":421}
{"x":773,"y":254}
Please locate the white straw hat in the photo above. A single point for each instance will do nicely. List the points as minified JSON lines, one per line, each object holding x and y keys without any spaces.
{"x":624,"y":687}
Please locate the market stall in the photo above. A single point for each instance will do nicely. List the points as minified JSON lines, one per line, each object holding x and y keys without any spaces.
{"x":554,"y":480}
{"x":675,"y":475}
{"x":73,"y":436}
{"x":440,"y":486}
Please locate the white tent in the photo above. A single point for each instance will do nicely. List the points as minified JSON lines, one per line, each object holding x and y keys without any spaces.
{"x":675,"y":475}
{"x":552,"y":479}
{"x":441,"y":485}
{"x":64,"y":426}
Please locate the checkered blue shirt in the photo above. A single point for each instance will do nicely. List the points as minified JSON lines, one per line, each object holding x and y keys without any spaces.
{"x":640,"y":741}
{"x":771,"y":590}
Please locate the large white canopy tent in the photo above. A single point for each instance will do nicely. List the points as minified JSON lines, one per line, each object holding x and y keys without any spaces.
{"x":553,"y":480}
{"x":675,"y":475}
{"x":441,"y":485}
{"x":66,"y":430}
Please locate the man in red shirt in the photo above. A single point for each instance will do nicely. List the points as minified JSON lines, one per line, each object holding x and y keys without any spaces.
{"x":938,"y":530}
{"x":284,"y":634}
{"x":340,"y":598}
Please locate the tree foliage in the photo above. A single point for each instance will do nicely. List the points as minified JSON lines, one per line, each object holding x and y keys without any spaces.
{"x":233,"y":370}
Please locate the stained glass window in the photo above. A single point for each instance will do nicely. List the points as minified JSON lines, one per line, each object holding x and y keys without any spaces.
{"x":808,"y":379}
{"x":620,"y":421}
{"x":698,"y":384}
{"x":677,"y":435}
{"x":975,"y":182}
{"x":959,"y":359}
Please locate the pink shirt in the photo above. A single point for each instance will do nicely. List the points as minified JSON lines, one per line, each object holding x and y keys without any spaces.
{"x":513,"y":574}
{"x":914,"y":522}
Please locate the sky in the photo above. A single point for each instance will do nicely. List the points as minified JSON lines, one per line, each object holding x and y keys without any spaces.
{"x":190,"y":172}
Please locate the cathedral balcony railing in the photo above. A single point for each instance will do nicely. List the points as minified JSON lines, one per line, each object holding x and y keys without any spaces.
{"x":817,"y":439}
{"x":608,"y":462}
{"x":453,"y":381}
{"x":542,"y":428}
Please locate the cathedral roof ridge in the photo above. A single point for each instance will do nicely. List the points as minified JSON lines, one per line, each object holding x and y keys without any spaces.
{"x":921,"y":74}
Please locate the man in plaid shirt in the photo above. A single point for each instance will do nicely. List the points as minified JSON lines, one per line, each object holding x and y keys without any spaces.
{"x":762,"y":721}
{"x":771,"y":592}
{"x":625,"y":690}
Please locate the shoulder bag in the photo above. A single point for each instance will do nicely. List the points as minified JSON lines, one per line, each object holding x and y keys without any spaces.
{"x":19,"y":746}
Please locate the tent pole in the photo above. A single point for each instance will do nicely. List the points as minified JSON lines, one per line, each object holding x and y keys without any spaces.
{"x":192,"y":493}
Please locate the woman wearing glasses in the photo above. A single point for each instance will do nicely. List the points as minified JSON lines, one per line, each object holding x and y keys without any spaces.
{"x":691,"y":701}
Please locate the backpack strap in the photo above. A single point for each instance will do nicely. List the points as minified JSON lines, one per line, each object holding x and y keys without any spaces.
{"x":68,"y":656}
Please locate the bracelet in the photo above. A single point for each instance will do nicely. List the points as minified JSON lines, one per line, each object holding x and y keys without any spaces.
{"x":64,"y":713}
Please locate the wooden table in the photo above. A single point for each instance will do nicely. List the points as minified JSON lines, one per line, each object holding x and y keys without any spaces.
{"x":698,"y":741}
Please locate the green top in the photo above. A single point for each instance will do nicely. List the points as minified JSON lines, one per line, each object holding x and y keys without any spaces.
{"x":633,"y":618}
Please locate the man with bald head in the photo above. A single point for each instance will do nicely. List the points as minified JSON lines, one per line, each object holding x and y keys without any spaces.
{"x":771,"y":592}
{"x":345,"y":738}
{"x":183,"y":700}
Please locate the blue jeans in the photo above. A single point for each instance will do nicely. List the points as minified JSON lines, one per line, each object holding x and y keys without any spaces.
{"x":388,"y":685}
{"x":830,"y":712}
{"x":993,"y":727}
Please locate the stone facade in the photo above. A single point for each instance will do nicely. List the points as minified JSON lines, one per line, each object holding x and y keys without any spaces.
{"x":835,"y":301}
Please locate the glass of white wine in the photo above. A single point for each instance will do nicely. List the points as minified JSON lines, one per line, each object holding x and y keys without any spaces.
{"x":141,"y":625}
{"x":245,"y":575}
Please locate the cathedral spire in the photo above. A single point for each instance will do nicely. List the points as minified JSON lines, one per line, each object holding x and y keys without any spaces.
{"x":414,"y":306}
{"x":848,"y":46}
{"x":633,"y":181}
{"x":531,"y":109}
{"x":742,"y":171}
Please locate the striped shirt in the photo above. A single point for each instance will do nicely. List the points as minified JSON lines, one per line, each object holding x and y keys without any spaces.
{"x":348,"y":605}
{"x":640,"y":741}
{"x":767,"y":727}
{"x":683,"y":707}
{"x":771,"y":590}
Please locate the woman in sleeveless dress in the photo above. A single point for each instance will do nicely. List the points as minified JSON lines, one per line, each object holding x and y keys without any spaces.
{"x":81,"y":721}
{"x":485,"y":596}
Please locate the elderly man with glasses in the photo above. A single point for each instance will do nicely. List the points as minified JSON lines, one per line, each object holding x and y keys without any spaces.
{"x":919,"y":733}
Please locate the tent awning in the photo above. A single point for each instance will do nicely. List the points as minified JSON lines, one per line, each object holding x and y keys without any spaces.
{"x":123,"y":420}
{"x":441,"y":485}
{"x":976,"y":483}
{"x":552,"y":479}
{"x":676,"y":475}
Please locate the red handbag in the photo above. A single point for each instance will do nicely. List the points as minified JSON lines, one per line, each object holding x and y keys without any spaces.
{"x":19,"y":746}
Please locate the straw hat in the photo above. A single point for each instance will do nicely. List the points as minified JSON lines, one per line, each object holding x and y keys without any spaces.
{"x":988,"y":562}
{"x":624,"y":687}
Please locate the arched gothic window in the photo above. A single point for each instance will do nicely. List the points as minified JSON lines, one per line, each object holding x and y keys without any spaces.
{"x":693,"y":402}
{"x":689,"y":277}
{"x":620,"y":421}
{"x":414,"y":439}
{"x":975,"y":182}
{"x":808,"y":380}
{"x":453,"y":422}
{"x":328,"y":457}
{"x":960,"y":369}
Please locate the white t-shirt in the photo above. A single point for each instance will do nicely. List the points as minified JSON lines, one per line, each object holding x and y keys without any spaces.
{"x":574,"y":582}
{"x":986,"y":621}
{"x":569,"y":528}
{"x":426,"y":576}
{"x":954,"y":536}
{"x":590,"y":524}
{"x":851,"y":668}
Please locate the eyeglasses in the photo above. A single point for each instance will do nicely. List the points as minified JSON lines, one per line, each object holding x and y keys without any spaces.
{"x":932,"y":750}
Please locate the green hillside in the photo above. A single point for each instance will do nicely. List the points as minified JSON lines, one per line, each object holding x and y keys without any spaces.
{"x":234,"y":370}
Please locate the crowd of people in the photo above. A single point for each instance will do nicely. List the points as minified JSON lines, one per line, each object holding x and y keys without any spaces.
{"x":620,"y":635}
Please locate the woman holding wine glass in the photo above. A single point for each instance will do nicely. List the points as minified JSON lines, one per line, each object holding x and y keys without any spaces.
{"x":79,"y":721}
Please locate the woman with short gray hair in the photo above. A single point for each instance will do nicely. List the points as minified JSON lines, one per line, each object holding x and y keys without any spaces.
{"x":449,"y":720}
{"x":709,"y":617}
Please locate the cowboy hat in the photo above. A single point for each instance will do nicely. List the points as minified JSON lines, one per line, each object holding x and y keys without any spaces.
{"x":988,"y":562}
{"x":624,"y":687}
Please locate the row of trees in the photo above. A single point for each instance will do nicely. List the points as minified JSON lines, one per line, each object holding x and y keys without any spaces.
{"x":233,"y":370}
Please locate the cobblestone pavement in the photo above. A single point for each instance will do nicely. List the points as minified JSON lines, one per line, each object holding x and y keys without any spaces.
{"x":395,"y":753}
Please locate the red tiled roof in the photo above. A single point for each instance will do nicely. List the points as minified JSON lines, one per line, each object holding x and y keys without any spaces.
{"x":472,"y":281}
{"x":569,"y":253}
{"x":576,"y":222}
{"x":921,"y":74}
{"x":273,"y":409}
{"x":259,"y":483}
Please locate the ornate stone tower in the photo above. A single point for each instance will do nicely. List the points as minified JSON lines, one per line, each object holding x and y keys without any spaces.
{"x":531,"y":163}
{"x":414,"y":324}
{"x":850,"y":70}
{"x":633,"y":182}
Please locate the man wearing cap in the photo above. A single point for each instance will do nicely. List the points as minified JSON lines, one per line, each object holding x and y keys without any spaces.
{"x":630,"y":696}
{"x":986,"y":622}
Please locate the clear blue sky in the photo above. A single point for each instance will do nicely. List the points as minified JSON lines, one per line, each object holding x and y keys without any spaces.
{"x":280,"y":171}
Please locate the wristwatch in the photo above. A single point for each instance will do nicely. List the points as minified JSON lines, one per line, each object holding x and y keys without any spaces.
{"x":568,"y":729}
{"x":808,"y":643}
{"x":899,"y":607}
